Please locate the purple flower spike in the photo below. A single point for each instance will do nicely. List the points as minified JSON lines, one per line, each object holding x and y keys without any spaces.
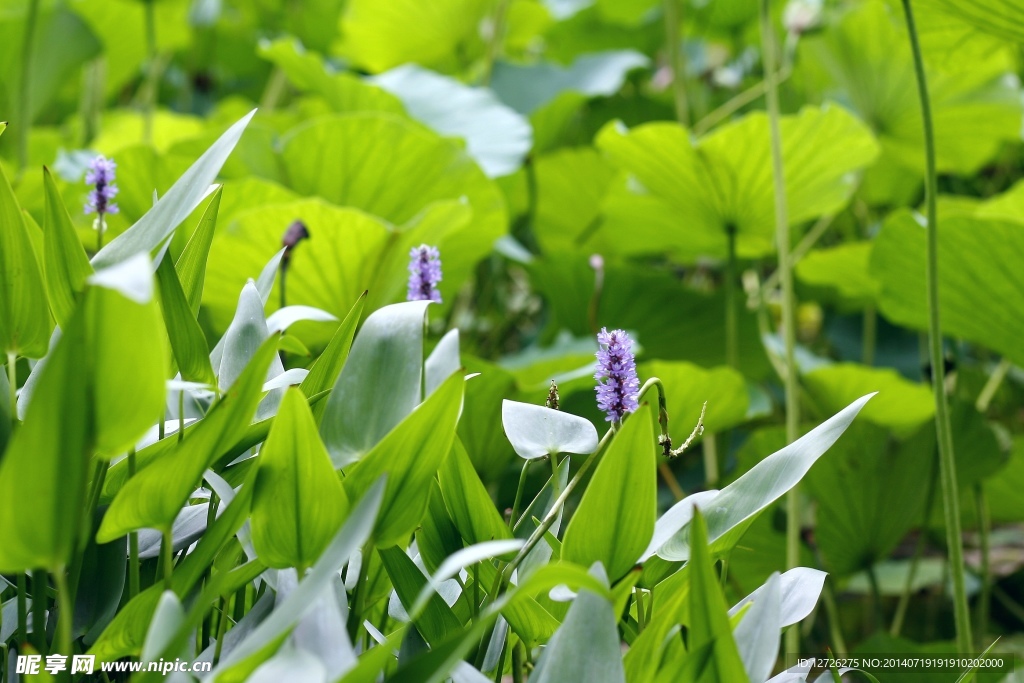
{"x":617,"y":394}
{"x":101,"y":176}
{"x":424,"y":274}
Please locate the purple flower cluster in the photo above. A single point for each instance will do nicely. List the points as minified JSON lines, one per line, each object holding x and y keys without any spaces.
{"x":424,"y":274}
{"x":101,"y":176}
{"x":616,"y":366}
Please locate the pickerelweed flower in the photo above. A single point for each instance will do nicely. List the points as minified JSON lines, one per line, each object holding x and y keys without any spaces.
{"x":101,"y":176}
{"x":424,"y":274}
{"x":616,"y":366}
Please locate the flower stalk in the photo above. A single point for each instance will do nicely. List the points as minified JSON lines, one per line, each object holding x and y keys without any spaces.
{"x":947,"y":462}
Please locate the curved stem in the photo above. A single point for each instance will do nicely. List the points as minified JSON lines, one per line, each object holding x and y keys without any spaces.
{"x":513,"y":520}
{"x":793,"y":512}
{"x":26,"y":82}
{"x":947,"y":462}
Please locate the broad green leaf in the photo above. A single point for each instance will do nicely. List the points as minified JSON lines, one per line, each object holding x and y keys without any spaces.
{"x":615,"y":519}
{"x":1001,"y":18}
{"x":379,"y":385}
{"x":153,"y":497}
{"x":188,"y":343}
{"x":157,"y":225}
{"x":299,"y":502}
{"x":395,"y":169}
{"x":571,"y":185}
{"x":191,"y":265}
{"x":975,"y":305}
{"x":730,"y":512}
{"x":435,"y":621}
{"x":344,"y":92}
{"x":466,"y":498}
{"x":125,"y":340}
{"x":870,"y":492}
{"x":537,"y":431}
{"x":723,"y":181}
{"x":866,"y":57}
{"x":244,"y":336}
{"x":65,"y":264}
{"x":901,"y":405}
{"x":496,"y":136}
{"x":438,"y":537}
{"x":526,"y":88}
{"x":688,"y":386}
{"x":352,"y":535}
{"x":24,"y":313}
{"x":410,"y":455}
{"x":378,"y":38}
{"x":843,"y":272}
{"x":42,"y":474}
{"x":586,"y":645}
{"x":709,"y":618}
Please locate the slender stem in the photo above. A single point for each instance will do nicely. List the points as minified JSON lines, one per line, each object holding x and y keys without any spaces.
{"x":670,"y":480}
{"x":167,"y":556}
{"x":276,"y":86}
{"x":947,"y":461}
{"x":496,"y":41}
{"x":65,"y":606}
{"x":869,"y":335}
{"x":222,"y":627}
{"x":22,"y":608}
{"x":355,"y":616}
{"x":799,"y":251}
{"x":85,"y":530}
{"x":133,"y":542}
{"x":27,"y":45}
{"x":513,"y":520}
{"x":741,"y":100}
{"x":835,"y":624}
{"x":876,"y":598}
{"x":984,"y":531}
{"x":153,"y":92}
{"x":101,"y":225}
{"x":12,"y":385}
{"x":922,"y":541}
{"x":640,"y":616}
{"x":788,"y":303}
{"x":732,"y":356}
{"x":676,"y":58}
{"x":518,"y":663}
{"x":39,"y":599}
{"x":710,"y":451}
{"x":995,"y":380}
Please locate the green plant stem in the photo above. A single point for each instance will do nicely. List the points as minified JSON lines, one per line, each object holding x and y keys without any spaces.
{"x":922,"y":540}
{"x":355,"y":616}
{"x":133,"y":542}
{"x":153,"y":90}
{"x":222,"y":628}
{"x":835,"y":625}
{"x":805,"y":244}
{"x":39,"y":586}
{"x":984,"y":531}
{"x":710,"y":453}
{"x":12,"y":386}
{"x":513,"y":519}
{"x":496,"y":41}
{"x":25,"y":123}
{"x":518,"y":662}
{"x":788,"y":303}
{"x":869,"y":335}
{"x":641,"y":618}
{"x":676,"y":58}
{"x":732,"y":355}
{"x":947,"y":461}
{"x":65,"y":606}
{"x":995,"y":380}
{"x":167,"y":556}
{"x":739,"y":101}
{"x":22,"y":608}
{"x":85,"y":530}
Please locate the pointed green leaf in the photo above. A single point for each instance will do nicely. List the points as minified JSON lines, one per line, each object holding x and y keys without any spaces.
{"x":299,"y":502}
{"x":615,"y":519}
{"x":65,"y":264}
{"x":153,"y":497}
{"x":466,"y":498}
{"x":436,"y":621}
{"x":191,"y":265}
{"x":24,"y":312}
{"x":326,"y":368}
{"x":187,"y":339}
{"x":410,"y":455}
{"x":379,"y":385}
